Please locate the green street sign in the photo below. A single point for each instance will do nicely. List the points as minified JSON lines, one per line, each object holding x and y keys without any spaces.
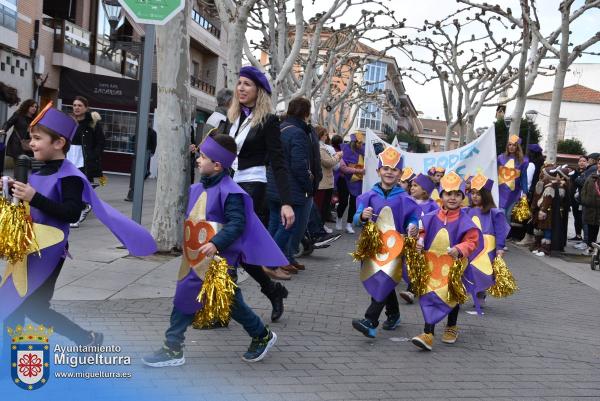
{"x":155,"y":12}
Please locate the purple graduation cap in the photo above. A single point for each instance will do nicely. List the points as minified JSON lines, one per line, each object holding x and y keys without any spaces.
{"x":425,"y":182}
{"x":57,"y":121}
{"x":215,"y":152}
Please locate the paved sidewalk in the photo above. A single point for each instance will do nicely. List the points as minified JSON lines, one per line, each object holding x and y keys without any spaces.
{"x":541,"y":343}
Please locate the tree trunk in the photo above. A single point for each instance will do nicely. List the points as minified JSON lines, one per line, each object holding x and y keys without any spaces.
{"x":552,"y":140}
{"x":173,"y":126}
{"x":235,"y":41}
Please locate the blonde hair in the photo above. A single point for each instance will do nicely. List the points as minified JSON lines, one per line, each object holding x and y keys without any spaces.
{"x":261,"y":110}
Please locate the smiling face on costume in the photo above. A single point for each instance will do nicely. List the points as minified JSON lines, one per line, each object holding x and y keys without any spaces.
{"x":389,"y":176}
{"x":247,"y":92}
{"x":45,"y":147}
{"x":452,"y":199}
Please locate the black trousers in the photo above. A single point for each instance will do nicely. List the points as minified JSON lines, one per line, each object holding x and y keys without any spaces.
{"x":37,"y":308}
{"x":345,"y":200}
{"x":592,"y":234}
{"x":578,"y":219}
{"x":391,"y":308}
{"x":258,"y":191}
{"x":452,"y":318}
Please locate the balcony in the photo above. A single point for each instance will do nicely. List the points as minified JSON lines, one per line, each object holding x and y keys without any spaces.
{"x":201,"y":85}
{"x":70,"y":39}
{"x":203,"y":21}
{"x":107,"y":57}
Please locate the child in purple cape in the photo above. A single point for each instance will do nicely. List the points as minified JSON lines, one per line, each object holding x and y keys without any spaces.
{"x":220,"y":218}
{"x":390,"y":207}
{"x":448,"y":234}
{"x":56,"y":194}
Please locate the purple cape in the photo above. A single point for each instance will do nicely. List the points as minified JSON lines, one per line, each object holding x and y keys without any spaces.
{"x":508,"y":197}
{"x":136,"y":238}
{"x":255,"y":246}
{"x":434,"y":308}
{"x":350,"y":157}
{"x":428,"y":206}
{"x":381,"y":283}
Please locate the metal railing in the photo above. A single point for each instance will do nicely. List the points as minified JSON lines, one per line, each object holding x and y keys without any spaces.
{"x":203,"y":21}
{"x":70,"y":39}
{"x":201,"y":85}
{"x":108,"y":57}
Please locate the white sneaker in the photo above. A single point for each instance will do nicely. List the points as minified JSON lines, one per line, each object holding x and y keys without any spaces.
{"x":349,"y":228}
{"x":539,"y":253}
{"x":338,"y":224}
{"x":581,"y":246}
{"x":327,"y":230}
{"x":587,"y":252}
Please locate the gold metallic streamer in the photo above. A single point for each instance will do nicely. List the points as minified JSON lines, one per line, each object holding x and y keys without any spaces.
{"x":103,"y":181}
{"x":457,"y":293}
{"x":521,"y":212}
{"x":416,"y":265}
{"x":369,"y":242}
{"x":505,"y":282}
{"x":16,"y":231}
{"x":216,"y":295}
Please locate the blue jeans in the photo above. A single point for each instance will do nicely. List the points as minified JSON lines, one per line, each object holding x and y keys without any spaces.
{"x":240,"y":312}
{"x":315,"y":224}
{"x":289,"y":240}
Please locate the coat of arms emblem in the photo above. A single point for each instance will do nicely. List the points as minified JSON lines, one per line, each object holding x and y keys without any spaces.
{"x":30,"y":356}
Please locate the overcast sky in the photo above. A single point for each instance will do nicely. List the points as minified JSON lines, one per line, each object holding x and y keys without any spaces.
{"x":427,"y":98}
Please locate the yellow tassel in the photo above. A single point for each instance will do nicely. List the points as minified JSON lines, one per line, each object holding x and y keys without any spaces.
{"x":216,"y":295}
{"x":521,"y":212}
{"x":369,"y":242}
{"x":416,"y":266}
{"x":505,"y":282}
{"x":102,"y":181}
{"x":16,"y":231}
{"x":457,"y":293}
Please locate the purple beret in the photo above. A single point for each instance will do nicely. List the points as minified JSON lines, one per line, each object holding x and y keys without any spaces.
{"x":534,"y":147}
{"x":425,"y":182}
{"x":215,"y":152}
{"x":256,"y":76}
{"x":57,"y":121}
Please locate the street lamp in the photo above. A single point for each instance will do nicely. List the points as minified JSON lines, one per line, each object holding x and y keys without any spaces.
{"x":530,"y":115}
{"x":112,"y":9}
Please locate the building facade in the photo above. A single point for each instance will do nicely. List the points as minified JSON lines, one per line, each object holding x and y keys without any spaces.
{"x":433,"y":135}
{"x":54,"y":50}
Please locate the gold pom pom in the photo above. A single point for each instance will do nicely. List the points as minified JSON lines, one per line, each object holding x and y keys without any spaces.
{"x":369,"y":242}
{"x":102,"y":181}
{"x":521,"y":212}
{"x":16,"y":231}
{"x":457,"y":293}
{"x":505,"y":282}
{"x":216,"y":295}
{"x":416,"y":266}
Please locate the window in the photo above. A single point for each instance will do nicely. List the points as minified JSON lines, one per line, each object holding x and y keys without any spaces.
{"x":118,"y":127}
{"x":370,"y":117}
{"x":375,"y":76}
{"x":8,"y":14}
{"x":196,"y":69}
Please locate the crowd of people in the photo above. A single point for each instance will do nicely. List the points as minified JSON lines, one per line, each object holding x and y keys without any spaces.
{"x":267,"y":188}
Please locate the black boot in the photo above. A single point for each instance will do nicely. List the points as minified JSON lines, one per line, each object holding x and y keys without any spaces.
{"x":276,"y":294}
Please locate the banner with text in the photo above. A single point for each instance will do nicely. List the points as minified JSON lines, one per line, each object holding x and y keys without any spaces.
{"x":477,"y":156}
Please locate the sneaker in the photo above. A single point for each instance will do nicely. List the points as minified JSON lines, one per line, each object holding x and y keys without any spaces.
{"x":259,"y":347}
{"x":576,"y":238}
{"x":588,"y":252}
{"x":164,"y":357}
{"x":84,"y":213}
{"x":74,"y":225}
{"x":407,"y":296}
{"x":391,"y":323}
{"x":338,"y":224}
{"x":580,"y":246}
{"x":349,"y":228}
{"x":423,"y":341}
{"x":327,"y":230}
{"x":450,"y":334}
{"x":128,"y":200}
{"x":365,"y":326}
{"x":326,"y":239}
{"x":539,"y":253}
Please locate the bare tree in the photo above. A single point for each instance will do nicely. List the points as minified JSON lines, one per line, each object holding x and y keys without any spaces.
{"x":557,"y":42}
{"x":471,"y":65}
{"x":173,"y":122}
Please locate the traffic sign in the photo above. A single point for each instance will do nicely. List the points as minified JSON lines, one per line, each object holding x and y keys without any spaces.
{"x":154,"y":12}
